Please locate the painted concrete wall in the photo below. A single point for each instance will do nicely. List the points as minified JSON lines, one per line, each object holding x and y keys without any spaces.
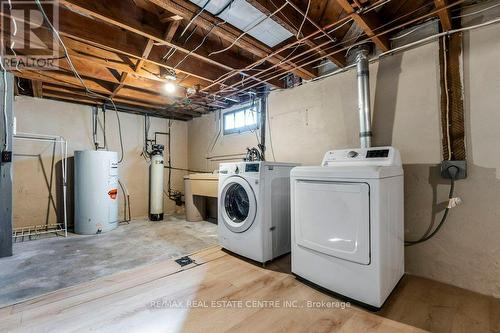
{"x":31,"y":173}
{"x":311,"y":119}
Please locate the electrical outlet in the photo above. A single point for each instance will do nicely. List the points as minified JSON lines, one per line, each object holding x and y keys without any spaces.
{"x":6,"y":156}
{"x":461,"y":165}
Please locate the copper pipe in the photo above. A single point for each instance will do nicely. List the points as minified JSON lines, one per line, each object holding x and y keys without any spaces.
{"x":433,"y":13}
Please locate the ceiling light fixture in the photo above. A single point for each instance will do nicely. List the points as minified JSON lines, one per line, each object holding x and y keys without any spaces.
{"x":169,"y":87}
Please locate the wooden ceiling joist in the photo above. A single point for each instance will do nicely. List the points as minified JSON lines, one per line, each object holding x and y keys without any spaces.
{"x":368,"y":22}
{"x":75,"y":91}
{"x":37,"y":87}
{"x":444,"y":15}
{"x":111,"y":12}
{"x":68,"y":80}
{"x":99,"y":37}
{"x":121,"y":49}
{"x":230,"y":34}
{"x":289,"y":15}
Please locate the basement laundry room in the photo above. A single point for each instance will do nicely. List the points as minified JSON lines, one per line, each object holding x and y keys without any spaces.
{"x":250,"y":166}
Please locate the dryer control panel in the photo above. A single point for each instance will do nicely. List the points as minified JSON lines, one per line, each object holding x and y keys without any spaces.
{"x":376,"y":156}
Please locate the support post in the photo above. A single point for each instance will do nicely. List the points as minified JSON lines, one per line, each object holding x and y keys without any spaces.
{"x":6,"y":164}
{"x":452,"y":104}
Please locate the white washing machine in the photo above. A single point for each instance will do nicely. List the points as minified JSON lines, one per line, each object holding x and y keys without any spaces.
{"x":254,"y":209}
{"x":347,"y":223}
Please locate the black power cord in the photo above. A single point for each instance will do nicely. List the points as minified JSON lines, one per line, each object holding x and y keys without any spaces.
{"x":452,"y":171}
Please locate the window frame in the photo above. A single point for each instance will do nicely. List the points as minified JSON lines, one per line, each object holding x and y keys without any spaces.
{"x":239,"y":108}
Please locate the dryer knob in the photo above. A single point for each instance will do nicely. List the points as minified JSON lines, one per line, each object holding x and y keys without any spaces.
{"x":237,"y":170}
{"x":352,"y":154}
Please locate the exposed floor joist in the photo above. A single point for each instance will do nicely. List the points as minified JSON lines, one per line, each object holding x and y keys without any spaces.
{"x":124,"y":48}
{"x":287,"y":15}
{"x":368,"y":22}
{"x":206,"y":20}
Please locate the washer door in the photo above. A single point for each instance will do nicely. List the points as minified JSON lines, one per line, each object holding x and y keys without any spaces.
{"x":237,"y":204}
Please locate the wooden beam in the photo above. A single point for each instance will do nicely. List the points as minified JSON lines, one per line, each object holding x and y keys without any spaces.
{"x":368,"y":22}
{"x":37,"y":88}
{"x":444,"y":15}
{"x":65,"y":79}
{"x":168,"y":17}
{"x":172,"y":28}
{"x":93,"y":71}
{"x":69,"y":98}
{"x":74,"y":91}
{"x":230,"y":34}
{"x":111,"y":38}
{"x":102,"y":88}
{"x":452,"y":103}
{"x":145,"y":55}
{"x":290,"y":14}
{"x":120,"y":85}
{"x":146,"y":5}
{"x":112,"y":13}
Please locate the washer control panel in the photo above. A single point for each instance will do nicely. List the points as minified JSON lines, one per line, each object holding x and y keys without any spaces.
{"x":377,"y":156}
{"x":240,"y":168}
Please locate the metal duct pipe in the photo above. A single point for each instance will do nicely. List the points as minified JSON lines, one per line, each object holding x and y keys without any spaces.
{"x":365,"y":127}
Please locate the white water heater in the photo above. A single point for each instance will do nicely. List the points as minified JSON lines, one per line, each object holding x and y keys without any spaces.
{"x":96,"y":191}
{"x":156,"y":170}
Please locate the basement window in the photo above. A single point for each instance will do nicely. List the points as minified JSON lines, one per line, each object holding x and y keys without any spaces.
{"x":244,"y":118}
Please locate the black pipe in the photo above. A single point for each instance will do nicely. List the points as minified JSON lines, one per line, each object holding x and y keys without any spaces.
{"x":263,"y":116}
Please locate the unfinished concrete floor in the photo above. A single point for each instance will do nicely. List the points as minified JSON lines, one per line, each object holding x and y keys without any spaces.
{"x":45,"y":265}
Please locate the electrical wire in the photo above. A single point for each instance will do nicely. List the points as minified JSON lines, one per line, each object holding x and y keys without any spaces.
{"x":334,"y":29}
{"x":4,"y":108}
{"x":190,"y":35}
{"x":14,"y":22}
{"x":292,"y":24}
{"x":77,"y":75}
{"x":304,"y":20}
{"x":245,"y":32}
{"x":268,"y":121}
{"x":276,"y":52}
{"x":477,"y":12}
{"x":414,"y":30}
{"x":215,"y":25}
{"x":363,"y":41}
{"x":374,"y":6}
{"x":199,"y":45}
{"x":428,"y":235}
{"x":202,"y":9}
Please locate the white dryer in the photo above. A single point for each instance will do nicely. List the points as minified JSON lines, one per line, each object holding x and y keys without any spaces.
{"x":254,"y":209}
{"x":347,"y":223}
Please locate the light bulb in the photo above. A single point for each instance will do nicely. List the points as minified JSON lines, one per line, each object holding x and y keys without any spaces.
{"x":169,"y":87}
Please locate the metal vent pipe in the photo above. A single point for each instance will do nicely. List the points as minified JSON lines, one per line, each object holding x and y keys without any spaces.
{"x":365,"y":127}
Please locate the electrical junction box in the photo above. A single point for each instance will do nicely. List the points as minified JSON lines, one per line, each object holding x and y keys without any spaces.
{"x":461,"y":165}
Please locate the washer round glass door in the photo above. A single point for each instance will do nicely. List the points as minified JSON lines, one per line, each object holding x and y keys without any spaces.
{"x":238,"y":204}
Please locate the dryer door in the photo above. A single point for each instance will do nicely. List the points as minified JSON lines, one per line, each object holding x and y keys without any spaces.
{"x":237,"y":204}
{"x":333,"y":218}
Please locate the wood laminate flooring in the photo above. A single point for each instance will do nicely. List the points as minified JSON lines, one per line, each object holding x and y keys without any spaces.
{"x":217,"y":293}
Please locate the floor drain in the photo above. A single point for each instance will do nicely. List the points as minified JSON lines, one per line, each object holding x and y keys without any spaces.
{"x":184,"y":261}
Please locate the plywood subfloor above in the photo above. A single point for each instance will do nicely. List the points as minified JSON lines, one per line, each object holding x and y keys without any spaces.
{"x":153,"y":299}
